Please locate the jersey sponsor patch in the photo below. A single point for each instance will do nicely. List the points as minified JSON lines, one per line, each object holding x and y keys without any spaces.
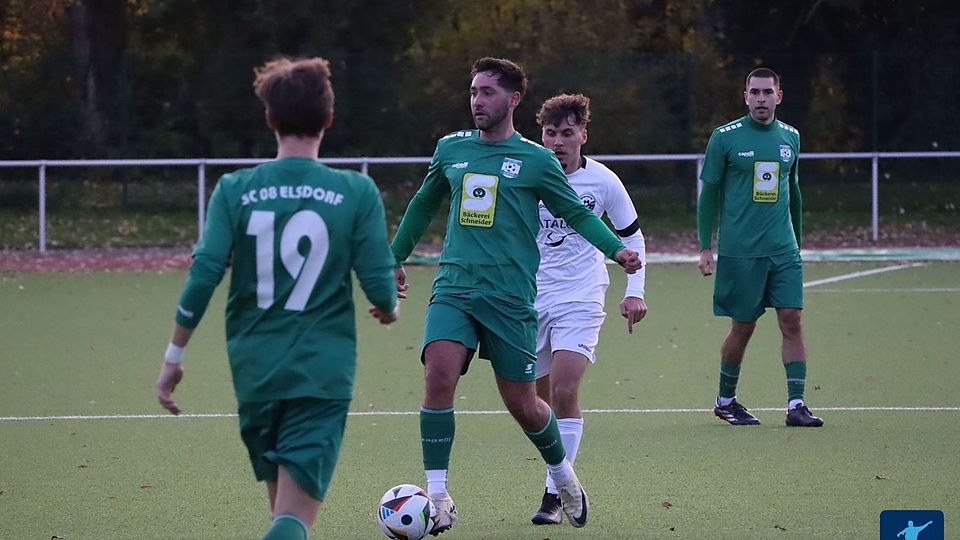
{"x":766,"y":181}
{"x":478,"y":200}
{"x":511,"y":167}
{"x":555,"y":238}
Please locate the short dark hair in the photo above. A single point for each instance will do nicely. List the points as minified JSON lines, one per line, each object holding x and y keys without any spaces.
{"x":763,"y":73}
{"x":511,"y":76}
{"x":558,"y":108}
{"x":297,"y":94}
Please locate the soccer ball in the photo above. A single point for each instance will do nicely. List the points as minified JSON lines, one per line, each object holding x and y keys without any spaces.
{"x":406,"y":512}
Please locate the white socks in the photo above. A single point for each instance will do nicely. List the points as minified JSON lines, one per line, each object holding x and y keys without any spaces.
{"x":571,"y":431}
{"x":559,"y":474}
{"x":436,"y":481}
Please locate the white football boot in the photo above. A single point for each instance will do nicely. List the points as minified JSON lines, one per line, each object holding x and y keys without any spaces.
{"x":446,"y":513}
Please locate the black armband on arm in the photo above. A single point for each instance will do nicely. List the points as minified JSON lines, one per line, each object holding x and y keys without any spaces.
{"x":629,"y":229}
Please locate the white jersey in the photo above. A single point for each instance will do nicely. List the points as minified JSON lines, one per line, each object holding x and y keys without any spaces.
{"x":571,"y":269}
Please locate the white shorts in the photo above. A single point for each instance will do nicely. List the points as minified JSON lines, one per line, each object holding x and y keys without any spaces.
{"x":570,"y":326}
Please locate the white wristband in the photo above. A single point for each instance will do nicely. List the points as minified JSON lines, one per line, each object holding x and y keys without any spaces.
{"x":174,"y":354}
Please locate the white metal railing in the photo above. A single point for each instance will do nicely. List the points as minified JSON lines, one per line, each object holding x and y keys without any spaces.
{"x":365,"y":162}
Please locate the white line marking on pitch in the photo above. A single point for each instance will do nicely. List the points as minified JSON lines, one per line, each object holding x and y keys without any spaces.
{"x":413,"y":413}
{"x":906,"y":290}
{"x":855,"y":275}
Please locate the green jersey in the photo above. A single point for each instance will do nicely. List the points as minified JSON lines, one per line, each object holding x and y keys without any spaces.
{"x":494,"y":189}
{"x":292,"y":229}
{"x":755,"y":167}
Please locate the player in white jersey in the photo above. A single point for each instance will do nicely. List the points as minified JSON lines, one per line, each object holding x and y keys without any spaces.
{"x":572,"y":279}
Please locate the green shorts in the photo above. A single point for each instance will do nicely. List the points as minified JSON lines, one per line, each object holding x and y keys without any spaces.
{"x":302,"y":434}
{"x":505,"y":332}
{"x":744,"y":288}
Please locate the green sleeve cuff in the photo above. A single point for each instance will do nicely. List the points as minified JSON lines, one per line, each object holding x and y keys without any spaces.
{"x":597,"y":233}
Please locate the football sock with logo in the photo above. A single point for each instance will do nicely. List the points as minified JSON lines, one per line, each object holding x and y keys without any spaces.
{"x":548,"y":441}
{"x":286,"y":527}
{"x":729,"y":375}
{"x":571,"y":431}
{"x":437,"y":428}
{"x":796,"y":379}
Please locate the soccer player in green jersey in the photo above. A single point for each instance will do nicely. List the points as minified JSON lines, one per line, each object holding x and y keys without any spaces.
{"x":750,"y":175}
{"x":293,"y":230}
{"x":484,"y":289}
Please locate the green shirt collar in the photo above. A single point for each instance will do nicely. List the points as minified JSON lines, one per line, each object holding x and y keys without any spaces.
{"x":757,"y":125}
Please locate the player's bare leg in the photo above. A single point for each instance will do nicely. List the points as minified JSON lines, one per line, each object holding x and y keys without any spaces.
{"x":443,"y":362}
{"x":566,"y":372}
{"x":732,"y":351}
{"x":794,"y":354}
{"x":561,"y":390}
{"x":293,"y":509}
{"x":734,"y":345}
{"x":540,"y":425}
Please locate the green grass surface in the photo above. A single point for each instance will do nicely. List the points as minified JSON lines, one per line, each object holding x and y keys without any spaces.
{"x":90,"y":344}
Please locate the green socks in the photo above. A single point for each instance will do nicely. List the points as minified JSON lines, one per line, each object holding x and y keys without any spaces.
{"x":729,"y":375}
{"x":796,"y":379}
{"x":437,"y":427}
{"x":286,"y":527}
{"x":548,"y":441}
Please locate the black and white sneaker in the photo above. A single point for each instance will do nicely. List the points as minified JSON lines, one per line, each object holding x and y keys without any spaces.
{"x":800,"y":416}
{"x":550,"y":512}
{"x":735,"y":414}
{"x":574,"y":501}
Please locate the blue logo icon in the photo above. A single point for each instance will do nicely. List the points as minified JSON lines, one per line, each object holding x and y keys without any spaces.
{"x":911,"y":525}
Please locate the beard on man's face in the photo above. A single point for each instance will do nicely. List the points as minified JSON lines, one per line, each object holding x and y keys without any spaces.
{"x":490,"y":118}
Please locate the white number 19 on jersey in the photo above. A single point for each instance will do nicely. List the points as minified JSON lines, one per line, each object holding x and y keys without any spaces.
{"x":305,"y":270}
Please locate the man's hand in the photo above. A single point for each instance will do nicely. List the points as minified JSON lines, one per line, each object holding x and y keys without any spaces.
{"x":629,"y":260}
{"x":400,"y":275}
{"x":385,"y":318}
{"x":170,"y":375}
{"x":707,"y":265}
{"x":633,"y":310}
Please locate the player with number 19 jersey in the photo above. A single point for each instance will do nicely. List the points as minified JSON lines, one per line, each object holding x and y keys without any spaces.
{"x":291,"y":230}
{"x":494,"y":189}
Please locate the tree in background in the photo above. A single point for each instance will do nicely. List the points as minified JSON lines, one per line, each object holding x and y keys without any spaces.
{"x":644,"y":64}
{"x":35,"y":83}
{"x":152,"y":78}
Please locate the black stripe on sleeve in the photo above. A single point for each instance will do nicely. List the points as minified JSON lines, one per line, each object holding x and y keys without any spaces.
{"x":629,"y":229}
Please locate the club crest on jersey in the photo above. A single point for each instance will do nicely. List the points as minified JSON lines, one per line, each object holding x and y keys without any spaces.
{"x":785,"y":153}
{"x":511,"y":167}
{"x":589,"y":201}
